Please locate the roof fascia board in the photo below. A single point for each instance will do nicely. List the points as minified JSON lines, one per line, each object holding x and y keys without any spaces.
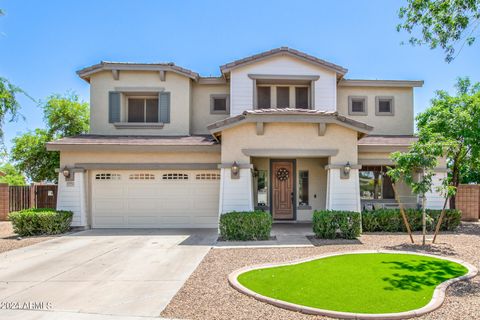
{"x":149,"y":166}
{"x":127,"y":148}
{"x":226,"y":68}
{"x":380,"y":83}
{"x":293,"y":118}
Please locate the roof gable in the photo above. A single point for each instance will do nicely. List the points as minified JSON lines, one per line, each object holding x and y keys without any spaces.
{"x":226,"y":68}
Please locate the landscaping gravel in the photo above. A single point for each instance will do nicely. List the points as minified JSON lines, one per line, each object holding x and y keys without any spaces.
{"x":207,"y":294}
{"x":10,"y":241}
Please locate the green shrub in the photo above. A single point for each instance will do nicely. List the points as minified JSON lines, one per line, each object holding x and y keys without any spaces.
{"x":330,"y":224}
{"x":31,"y":222}
{"x":390,"y":220}
{"x":249,"y":225}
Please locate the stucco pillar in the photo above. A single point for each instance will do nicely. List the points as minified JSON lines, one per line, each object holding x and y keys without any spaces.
{"x":72,"y":196}
{"x":343,"y":193}
{"x":236,"y":194}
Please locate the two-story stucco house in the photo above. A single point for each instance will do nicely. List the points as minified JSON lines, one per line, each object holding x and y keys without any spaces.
{"x":281,"y":131}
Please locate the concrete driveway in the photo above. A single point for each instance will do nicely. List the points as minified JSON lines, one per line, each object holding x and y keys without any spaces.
{"x":100,"y":273}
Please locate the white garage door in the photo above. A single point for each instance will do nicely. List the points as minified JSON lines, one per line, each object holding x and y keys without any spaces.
{"x":155,"y":199}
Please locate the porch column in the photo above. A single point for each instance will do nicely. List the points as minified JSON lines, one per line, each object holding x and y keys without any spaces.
{"x":343,"y":193}
{"x":236,"y":194}
{"x":72,"y":196}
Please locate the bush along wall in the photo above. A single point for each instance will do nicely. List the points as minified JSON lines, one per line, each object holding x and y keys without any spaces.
{"x":331,"y":224}
{"x":390,"y":220}
{"x":247,"y":225}
{"x":31,"y":222}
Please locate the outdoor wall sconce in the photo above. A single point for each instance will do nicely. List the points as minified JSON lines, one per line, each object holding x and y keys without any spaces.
{"x":66,"y":172}
{"x":235,"y":170}
{"x":346,"y":171}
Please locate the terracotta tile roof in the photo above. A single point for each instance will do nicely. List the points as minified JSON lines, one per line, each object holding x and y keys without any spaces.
{"x":329,"y":116}
{"x":91,"y":139}
{"x":282,"y":50}
{"x":111,"y":65}
{"x":291,"y":111}
{"x":387,"y":140}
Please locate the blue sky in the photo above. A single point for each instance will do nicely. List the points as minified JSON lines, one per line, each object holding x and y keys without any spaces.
{"x":43,"y":43}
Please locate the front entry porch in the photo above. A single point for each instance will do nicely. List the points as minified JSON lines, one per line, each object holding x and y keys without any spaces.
{"x":290,"y":188}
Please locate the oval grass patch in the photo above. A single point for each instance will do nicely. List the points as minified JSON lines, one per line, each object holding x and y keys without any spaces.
{"x":365,"y":283}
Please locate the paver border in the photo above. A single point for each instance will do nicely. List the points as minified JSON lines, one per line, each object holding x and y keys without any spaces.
{"x":437,"y":299}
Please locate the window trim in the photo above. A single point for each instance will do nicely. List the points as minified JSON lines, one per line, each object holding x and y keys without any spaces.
{"x":377,"y":106}
{"x":145,"y":98}
{"x":357,"y":113}
{"x":220,"y":96}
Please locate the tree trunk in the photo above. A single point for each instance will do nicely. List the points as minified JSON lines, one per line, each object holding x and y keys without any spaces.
{"x":424,"y":220}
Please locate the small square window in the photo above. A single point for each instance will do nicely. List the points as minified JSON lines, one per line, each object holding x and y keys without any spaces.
{"x":357,"y":106}
{"x":219,"y":104}
{"x":384,"y":106}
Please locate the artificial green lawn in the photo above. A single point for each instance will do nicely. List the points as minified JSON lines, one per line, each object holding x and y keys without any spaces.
{"x":359,"y":283}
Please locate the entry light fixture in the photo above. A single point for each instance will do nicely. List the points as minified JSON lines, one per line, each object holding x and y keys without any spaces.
{"x":66,"y":172}
{"x":235,"y":170}
{"x":346,"y":171}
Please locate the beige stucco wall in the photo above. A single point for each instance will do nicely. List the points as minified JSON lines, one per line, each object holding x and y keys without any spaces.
{"x":201,"y":116}
{"x":242,"y":86}
{"x":178,"y":86}
{"x":70,"y":158}
{"x":289,"y":136}
{"x":402,"y":122}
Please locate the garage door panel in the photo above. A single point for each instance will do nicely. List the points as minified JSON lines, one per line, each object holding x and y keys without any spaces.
{"x":108,"y":205}
{"x":146,"y":200}
{"x":109,"y":221}
{"x":142,"y":220}
{"x":109,"y":190}
{"x":143,"y":204}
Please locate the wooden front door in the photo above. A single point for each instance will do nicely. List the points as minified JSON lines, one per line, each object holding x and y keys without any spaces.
{"x":283,"y":186}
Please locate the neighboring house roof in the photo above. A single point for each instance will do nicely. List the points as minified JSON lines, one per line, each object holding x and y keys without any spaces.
{"x":85,"y":73}
{"x":282,"y":51}
{"x":386,"y":143}
{"x":290,"y":115}
{"x":380,"y":83}
{"x":146,"y":143}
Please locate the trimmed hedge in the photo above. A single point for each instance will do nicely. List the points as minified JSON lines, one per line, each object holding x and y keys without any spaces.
{"x":331,"y":224}
{"x":248,"y":225}
{"x":390,"y":220}
{"x":31,"y":222}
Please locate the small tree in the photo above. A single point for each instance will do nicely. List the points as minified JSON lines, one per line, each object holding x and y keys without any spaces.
{"x":416,"y":169}
{"x":64,"y":116}
{"x":451,"y":127}
{"x":11,"y":175}
{"x":449,"y":25}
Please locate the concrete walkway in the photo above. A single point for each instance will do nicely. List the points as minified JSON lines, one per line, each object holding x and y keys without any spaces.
{"x":284,"y":235}
{"x":100,"y":273}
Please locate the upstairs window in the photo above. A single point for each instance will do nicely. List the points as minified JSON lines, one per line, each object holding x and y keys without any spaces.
{"x":384,"y":106}
{"x":301,"y":98}
{"x":219,"y":104}
{"x":142,"y":110}
{"x":357,"y":106}
{"x":283,"y":97}
{"x":263,"y":97}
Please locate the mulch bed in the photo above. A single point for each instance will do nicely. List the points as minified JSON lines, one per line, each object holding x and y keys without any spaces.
{"x":207,"y":294}
{"x":10,"y":241}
